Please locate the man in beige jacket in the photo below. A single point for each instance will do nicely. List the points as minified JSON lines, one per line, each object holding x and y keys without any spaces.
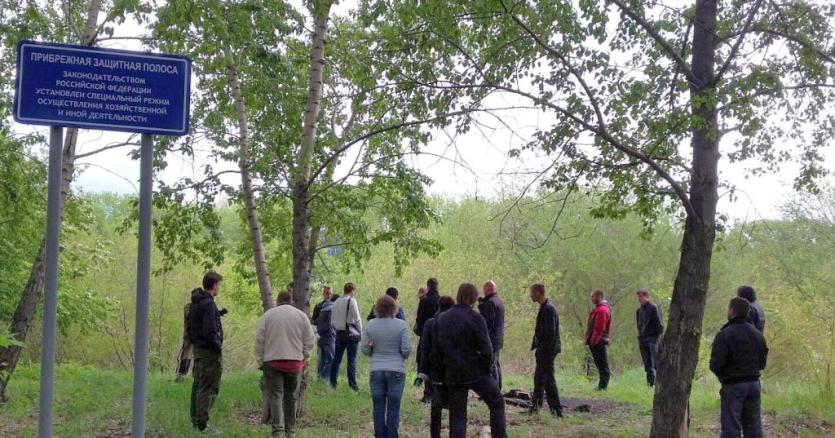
{"x":282,"y":345}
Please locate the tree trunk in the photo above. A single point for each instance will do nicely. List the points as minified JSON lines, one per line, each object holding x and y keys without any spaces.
{"x":244,"y":162}
{"x":679,"y":350}
{"x":32,"y":292}
{"x":301,"y":184}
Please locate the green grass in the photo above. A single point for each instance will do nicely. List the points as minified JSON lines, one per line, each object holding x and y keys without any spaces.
{"x":94,"y":402}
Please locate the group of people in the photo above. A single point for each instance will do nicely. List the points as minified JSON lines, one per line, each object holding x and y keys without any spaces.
{"x":459,"y":350}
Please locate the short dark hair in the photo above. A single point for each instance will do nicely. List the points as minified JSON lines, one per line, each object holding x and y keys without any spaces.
{"x":211,"y":279}
{"x":334,"y":297}
{"x":598,"y":292}
{"x":284,"y":298}
{"x":392,"y":292}
{"x":740,"y":307}
{"x":386,"y":307}
{"x":538,"y":287}
{"x":432,"y":283}
{"x":467,"y":294}
{"x":445,"y":302}
{"x":747,"y":292}
{"x":348,"y":288}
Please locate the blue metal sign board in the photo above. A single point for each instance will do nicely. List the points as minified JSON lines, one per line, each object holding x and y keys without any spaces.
{"x":94,"y":88}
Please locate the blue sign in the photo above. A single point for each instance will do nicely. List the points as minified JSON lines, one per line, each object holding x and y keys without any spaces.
{"x":94,"y":88}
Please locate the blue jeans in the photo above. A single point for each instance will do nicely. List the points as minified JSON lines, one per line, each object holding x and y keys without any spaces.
{"x":341,"y":348}
{"x":386,"y":391}
{"x":649,"y":352}
{"x":325,"y":359}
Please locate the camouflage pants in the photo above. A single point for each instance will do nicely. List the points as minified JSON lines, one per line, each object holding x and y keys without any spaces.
{"x":207,"y":371}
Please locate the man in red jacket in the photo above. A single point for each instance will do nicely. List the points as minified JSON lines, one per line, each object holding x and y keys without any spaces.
{"x":597,"y":336}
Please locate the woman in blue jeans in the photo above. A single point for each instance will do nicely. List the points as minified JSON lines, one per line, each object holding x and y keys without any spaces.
{"x":386,"y":341}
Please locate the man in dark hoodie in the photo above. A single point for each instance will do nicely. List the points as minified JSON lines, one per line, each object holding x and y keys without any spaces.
{"x":327,"y":338}
{"x":756,"y":314}
{"x":738,"y":356}
{"x":206,"y":335}
{"x":427,"y":308}
{"x":650,"y":327}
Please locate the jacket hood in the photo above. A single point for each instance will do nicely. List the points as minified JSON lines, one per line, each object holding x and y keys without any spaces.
{"x":748,"y":293}
{"x":198,"y":295}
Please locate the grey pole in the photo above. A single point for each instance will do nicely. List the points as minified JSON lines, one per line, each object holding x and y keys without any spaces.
{"x":143,"y":279}
{"x":50,"y":296}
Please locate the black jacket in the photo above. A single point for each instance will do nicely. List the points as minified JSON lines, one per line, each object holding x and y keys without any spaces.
{"x":427,"y":308}
{"x":463,"y":345}
{"x":546,"y":336}
{"x":739,"y":352}
{"x":317,"y":310}
{"x":429,"y":361}
{"x":492,"y":309}
{"x":204,"y":327}
{"x":648,"y":317}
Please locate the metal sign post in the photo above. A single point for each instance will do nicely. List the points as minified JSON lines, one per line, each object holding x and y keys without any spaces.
{"x":77,"y":86}
{"x":143,"y":280}
{"x":50,"y":296}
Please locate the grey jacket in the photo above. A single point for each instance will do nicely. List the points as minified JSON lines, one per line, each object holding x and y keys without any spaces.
{"x":392,"y":344}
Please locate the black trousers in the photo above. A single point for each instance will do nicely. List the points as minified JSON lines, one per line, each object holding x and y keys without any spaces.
{"x":601,"y":361}
{"x":488,"y":390}
{"x":440,"y":401}
{"x":741,"y":410}
{"x":545,"y":384}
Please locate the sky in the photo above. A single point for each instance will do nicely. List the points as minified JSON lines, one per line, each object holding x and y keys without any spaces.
{"x":473,"y":164}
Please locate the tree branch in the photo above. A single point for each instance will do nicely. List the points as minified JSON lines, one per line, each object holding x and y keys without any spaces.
{"x":735,"y":49}
{"x":668,"y":48}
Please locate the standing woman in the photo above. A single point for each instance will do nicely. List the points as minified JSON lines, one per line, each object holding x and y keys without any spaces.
{"x":386,"y":341}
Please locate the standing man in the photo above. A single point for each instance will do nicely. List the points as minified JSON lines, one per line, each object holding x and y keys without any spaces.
{"x":738,"y":356}
{"x":393,"y":293}
{"x":282,"y":345}
{"x":756,"y":315}
{"x":317,"y":309}
{"x":466,"y":353}
{"x":327,"y":339}
{"x":432,"y":367}
{"x":205,"y":332}
{"x":492,"y":309}
{"x":597,"y":336}
{"x":546,"y":342}
{"x":345,"y":319}
{"x":427,"y":308}
{"x":650,"y":328}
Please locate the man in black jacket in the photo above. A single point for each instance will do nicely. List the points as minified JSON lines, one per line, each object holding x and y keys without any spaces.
{"x":432,"y":367}
{"x":467,"y":355}
{"x":650,"y":327}
{"x":738,"y":356}
{"x":327,"y":293}
{"x":756,"y":315}
{"x":427,"y":308}
{"x":546,"y":342}
{"x":492,"y":309}
{"x":205,"y":332}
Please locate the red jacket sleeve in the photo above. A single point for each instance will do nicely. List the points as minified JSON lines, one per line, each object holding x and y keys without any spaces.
{"x":601,"y":323}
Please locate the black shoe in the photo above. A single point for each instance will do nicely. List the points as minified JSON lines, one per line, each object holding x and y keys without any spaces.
{"x":355,"y":388}
{"x":556,"y":413}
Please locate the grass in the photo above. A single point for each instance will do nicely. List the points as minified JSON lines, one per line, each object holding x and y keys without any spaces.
{"x":90,"y":402}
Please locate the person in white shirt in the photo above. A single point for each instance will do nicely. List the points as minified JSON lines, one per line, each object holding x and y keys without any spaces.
{"x":283,"y":343}
{"x":345,"y":319}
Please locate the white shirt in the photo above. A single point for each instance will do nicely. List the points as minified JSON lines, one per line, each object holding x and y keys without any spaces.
{"x":345,"y":311}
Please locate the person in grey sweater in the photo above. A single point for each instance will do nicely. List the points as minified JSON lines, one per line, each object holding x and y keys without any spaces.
{"x":385,"y":339}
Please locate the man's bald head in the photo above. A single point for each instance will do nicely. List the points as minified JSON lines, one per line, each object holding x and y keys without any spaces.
{"x":489,"y":288}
